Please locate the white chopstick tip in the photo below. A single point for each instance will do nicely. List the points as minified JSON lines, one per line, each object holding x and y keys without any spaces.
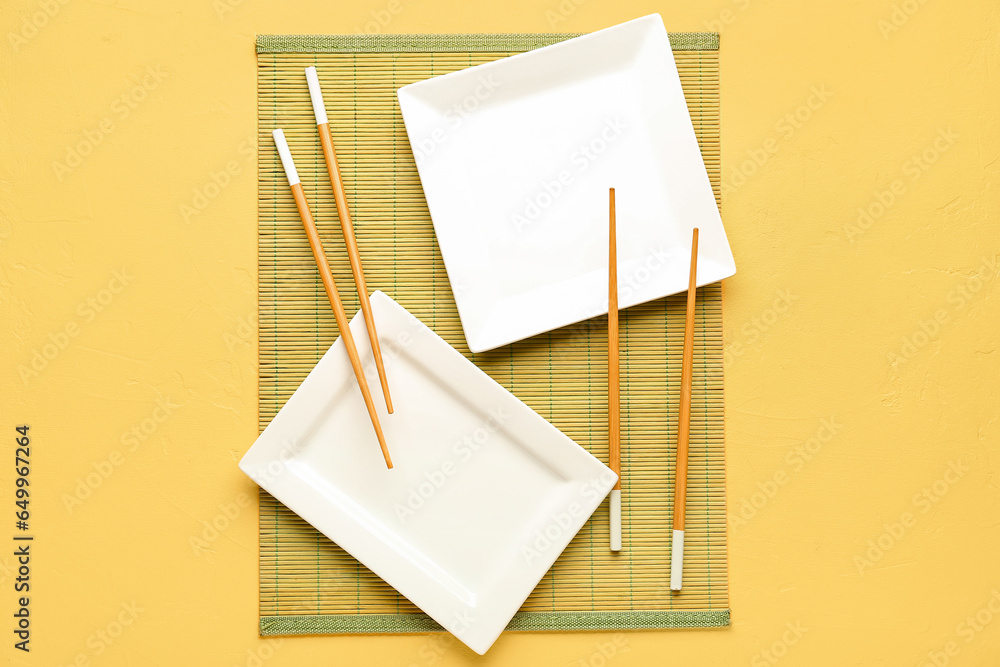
{"x":616,"y":520}
{"x":677,"y":561}
{"x":286,"y":157}
{"x":316,"y":95}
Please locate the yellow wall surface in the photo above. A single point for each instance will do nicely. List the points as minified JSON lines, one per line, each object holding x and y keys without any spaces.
{"x":861,"y":365}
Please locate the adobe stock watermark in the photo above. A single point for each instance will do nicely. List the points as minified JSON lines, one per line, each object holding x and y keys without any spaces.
{"x":923,"y":501}
{"x":5,"y":570}
{"x":62,"y":337}
{"x":900,"y":15}
{"x":629,"y":284}
{"x":604,"y":652}
{"x":779,"y":648}
{"x":754,"y":329}
{"x":562,"y":12}
{"x":956,"y":301}
{"x":728,"y":16}
{"x":551,"y":189}
{"x":912,"y":170}
{"x":578,"y":335}
{"x":276,"y":467}
{"x":381,"y":18}
{"x":785,"y":128}
{"x":967,"y":630}
{"x":392,"y":349}
{"x":461,"y":452}
{"x":242,"y":335}
{"x":121,"y":108}
{"x":455,"y":115}
{"x":131,"y":440}
{"x":33,"y":22}
{"x":559,"y":524}
{"x":433,"y":649}
{"x":224,"y":7}
{"x":214,"y":528}
{"x":798,"y":456}
{"x":218,"y":180}
{"x":255,"y":657}
{"x":460,"y":623}
{"x":99,"y":641}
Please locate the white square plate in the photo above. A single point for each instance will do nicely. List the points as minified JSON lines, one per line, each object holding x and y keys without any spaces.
{"x":516,"y":157}
{"x":484,"y":493}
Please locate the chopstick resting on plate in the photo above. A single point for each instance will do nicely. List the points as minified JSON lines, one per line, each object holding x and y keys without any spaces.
{"x":614,"y":425}
{"x":684,"y":425}
{"x":323,"y":127}
{"x":331,"y":287}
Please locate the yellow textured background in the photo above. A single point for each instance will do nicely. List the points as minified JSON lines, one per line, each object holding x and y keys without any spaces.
{"x":179,"y":329}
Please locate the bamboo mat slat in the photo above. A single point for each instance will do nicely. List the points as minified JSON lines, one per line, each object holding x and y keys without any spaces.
{"x":308,"y":585}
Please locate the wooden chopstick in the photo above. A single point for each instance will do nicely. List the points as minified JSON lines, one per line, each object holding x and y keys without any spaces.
{"x":323,"y":127}
{"x":331,"y":287}
{"x":684,"y":425}
{"x":614,"y":424}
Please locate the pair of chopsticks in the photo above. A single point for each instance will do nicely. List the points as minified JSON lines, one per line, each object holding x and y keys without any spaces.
{"x":684,"y":416}
{"x":323,"y":127}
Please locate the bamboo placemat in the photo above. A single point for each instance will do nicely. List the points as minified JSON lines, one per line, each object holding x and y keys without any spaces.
{"x":308,"y":585}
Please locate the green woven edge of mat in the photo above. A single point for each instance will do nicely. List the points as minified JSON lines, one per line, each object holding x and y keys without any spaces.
{"x":680,"y":41}
{"x":534,"y":621}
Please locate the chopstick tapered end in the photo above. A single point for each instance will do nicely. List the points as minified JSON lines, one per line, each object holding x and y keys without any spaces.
{"x":385,"y":449}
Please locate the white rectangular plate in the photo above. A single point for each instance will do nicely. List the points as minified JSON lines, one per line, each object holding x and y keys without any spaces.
{"x":516,"y":157}
{"x":484,"y":493}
